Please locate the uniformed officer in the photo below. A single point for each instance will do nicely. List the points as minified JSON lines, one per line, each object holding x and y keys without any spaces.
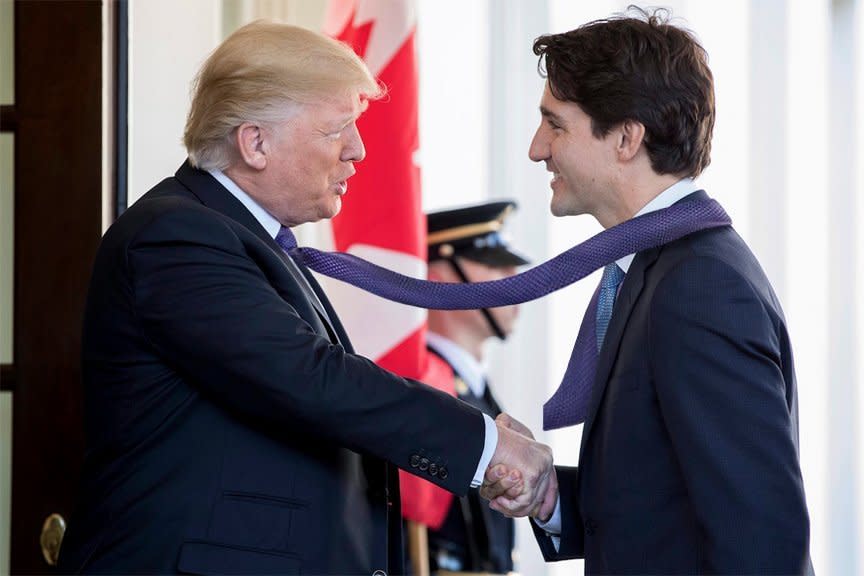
{"x":467,"y":245}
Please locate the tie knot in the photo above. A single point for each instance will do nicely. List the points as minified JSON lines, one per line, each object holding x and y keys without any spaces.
{"x":285,"y":238}
{"x":612,"y":276}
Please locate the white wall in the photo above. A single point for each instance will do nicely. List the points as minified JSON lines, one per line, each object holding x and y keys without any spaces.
{"x":168,"y":41}
{"x":454,"y":81}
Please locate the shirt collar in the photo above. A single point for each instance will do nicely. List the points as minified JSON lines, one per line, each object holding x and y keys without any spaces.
{"x":667,"y":198}
{"x":270,"y":224}
{"x":465,"y":365}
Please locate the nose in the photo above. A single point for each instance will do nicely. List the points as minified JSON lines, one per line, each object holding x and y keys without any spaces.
{"x":539,"y":149}
{"x":354,"y":150}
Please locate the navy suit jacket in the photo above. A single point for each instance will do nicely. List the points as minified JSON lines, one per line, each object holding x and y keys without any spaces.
{"x":229,"y":427}
{"x":689,"y":456}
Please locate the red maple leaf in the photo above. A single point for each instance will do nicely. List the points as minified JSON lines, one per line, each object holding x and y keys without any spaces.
{"x":356,"y":36}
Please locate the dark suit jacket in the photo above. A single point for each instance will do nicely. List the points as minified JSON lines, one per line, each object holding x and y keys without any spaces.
{"x":230,"y":429}
{"x":689,"y":457}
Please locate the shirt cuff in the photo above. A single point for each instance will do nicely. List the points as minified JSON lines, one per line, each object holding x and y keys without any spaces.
{"x":489,"y":446}
{"x":552,"y":527}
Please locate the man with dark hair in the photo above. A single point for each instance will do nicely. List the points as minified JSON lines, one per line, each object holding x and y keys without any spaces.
{"x":689,"y":457}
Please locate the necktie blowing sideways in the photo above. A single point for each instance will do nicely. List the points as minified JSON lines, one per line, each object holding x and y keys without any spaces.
{"x":634,"y":235}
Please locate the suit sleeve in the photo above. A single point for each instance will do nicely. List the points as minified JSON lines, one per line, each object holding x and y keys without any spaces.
{"x":716,"y":363}
{"x":572,"y":543}
{"x":207,"y":307}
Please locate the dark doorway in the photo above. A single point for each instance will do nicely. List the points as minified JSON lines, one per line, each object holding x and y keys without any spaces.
{"x":58,"y":131}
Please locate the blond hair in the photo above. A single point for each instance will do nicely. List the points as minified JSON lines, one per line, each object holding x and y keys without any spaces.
{"x":260,"y":74}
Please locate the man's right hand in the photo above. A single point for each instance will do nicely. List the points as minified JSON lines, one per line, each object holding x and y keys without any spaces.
{"x":527,"y":475}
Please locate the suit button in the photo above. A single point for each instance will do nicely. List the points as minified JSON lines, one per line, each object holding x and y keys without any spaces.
{"x":433,"y":469}
{"x":415,"y":461}
{"x":379,"y":573}
{"x":442,"y":473}
{"x":424,"y":464}
{"x":590,"y":527}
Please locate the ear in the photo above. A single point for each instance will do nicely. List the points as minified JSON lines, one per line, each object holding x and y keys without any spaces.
{"x":630,"y":136}
{"x":250,"y":144}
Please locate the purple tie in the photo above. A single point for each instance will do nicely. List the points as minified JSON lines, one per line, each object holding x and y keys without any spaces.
{"x":569,"y":403}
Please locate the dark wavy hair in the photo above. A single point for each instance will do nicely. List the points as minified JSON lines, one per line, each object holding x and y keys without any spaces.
{"x":637,"y":66}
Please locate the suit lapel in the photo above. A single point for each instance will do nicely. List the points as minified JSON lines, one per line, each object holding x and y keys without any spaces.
{"x":632,"y":286}
{"x":341,"y":337}
{"x":213,"y":195}
{"x":634,"y":281}
{"x":311,"y":294}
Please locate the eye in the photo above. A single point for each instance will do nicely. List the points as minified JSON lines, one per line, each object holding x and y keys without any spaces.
{"x":552,"y":124}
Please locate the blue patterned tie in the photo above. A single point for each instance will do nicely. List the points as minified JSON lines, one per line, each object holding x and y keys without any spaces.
{"x":569,"y":403}
{"x":612,"y":277}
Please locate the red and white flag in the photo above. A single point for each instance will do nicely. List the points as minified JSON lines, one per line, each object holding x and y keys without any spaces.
{"x":382,"y":216}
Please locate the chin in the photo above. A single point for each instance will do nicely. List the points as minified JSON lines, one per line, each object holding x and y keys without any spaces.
{"x":558,"y":203}
{"x":334,"y":208}
{"x":566,"y":206}
{"x":558,"y":209}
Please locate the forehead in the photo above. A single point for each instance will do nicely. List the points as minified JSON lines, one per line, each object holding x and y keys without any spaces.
{"x":344,"y":108}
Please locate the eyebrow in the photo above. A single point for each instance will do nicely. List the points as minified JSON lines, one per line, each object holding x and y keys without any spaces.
{"x":343,"y":121}
{"x":546,"y":113}
{"x":348,"y":118}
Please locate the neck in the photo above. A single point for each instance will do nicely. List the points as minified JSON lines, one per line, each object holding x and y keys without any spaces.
{"x":632,"y":194}
{"x":465,"y":339}
{"x":239,"y":177}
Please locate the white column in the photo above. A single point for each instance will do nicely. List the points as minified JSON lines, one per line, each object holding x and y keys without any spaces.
{"x":845,"y":345}
{"x":806,"y":239}
{"x":857,"y":263}
{"x":768,"y":135}
{"x":522,"y":366}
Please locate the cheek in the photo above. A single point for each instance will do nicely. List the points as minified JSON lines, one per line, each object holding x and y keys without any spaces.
{"x":317,"y":164}
{"x":562,"y":154}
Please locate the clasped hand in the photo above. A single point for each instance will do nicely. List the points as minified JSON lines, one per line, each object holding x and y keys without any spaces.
{"x":520,"y":479}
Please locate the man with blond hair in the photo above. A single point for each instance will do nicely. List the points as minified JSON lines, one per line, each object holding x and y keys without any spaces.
{"x":230,"y":427}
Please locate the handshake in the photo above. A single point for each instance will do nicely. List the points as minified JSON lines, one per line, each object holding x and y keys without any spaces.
{"x":520,"y":479}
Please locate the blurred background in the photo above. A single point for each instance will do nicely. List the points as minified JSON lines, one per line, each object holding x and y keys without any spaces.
{"x":786,"y":165}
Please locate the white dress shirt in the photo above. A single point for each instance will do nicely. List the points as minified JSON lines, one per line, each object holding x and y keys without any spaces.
{"x":667,"y":198}
{"x":472,"y":372}
{"x":272,"y":226}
